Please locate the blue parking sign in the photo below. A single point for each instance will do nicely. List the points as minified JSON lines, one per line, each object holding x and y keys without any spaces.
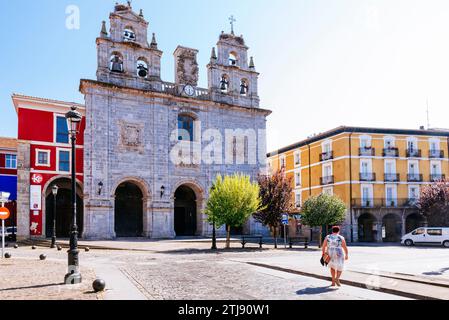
{"x":285,"y":219}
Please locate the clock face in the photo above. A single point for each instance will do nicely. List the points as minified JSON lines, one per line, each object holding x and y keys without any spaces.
{"x":189,"y":90}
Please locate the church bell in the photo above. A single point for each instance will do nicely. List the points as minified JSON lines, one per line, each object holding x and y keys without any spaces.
{"x":143,"y":71}
{"x":224,"y":84}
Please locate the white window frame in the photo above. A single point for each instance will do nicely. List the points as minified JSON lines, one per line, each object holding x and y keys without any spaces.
{"x":412,"y":186}
{"x":370,"y":193}
{"x":296,"y":155}
{"x":324,"y":144}
{"x":324,"y":170}
{"x":395,"y":193}
{"x":370,"y":165}
{"x":298,"y":204}
{"x":298,"y":183}
{"x":438,"y":163}
{"x":394,"y":166}
{"x":367,"y":138}
{"x":11,"y":154}
{"x":436,"y":141}
{"x":282,"y":159}
{"x":415,"y":142}
{"x":328,"y":190}
{"x":58,"y":150}
{"x":36,"y":162}
{"x":55,"y":128}
{"x":416,"y":163}
{"x":389,"y":138}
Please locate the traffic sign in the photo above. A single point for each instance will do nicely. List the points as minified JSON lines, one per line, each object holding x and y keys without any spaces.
{"x":4,"y":213}
{"x":284,"y":219}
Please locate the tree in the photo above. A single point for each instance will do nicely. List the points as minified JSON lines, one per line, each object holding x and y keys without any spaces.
{"x":233,"y":199}
{"x":434,"y":204}
{"x":323,"y":210}
{"x":276,"y":195}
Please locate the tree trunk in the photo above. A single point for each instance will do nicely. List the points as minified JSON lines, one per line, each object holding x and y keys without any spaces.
{"x":320,"y":241}
{"x":275,"y":234}
{"x":228,"y":237}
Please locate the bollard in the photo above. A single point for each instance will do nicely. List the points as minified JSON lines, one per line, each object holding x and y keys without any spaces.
{"x":87,"y":249}
{"x":42,"y":257}
{"x":7,"y":255}
{"x":33,"y":247}
{"x":99,"y":285}
{"x":59,"y":248}
{"x":16,"y":246}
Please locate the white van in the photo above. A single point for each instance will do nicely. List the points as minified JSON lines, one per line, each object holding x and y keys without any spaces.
{"x":427,"y":236}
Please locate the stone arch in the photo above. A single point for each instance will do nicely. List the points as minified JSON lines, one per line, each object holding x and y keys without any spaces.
{"x":199,"y":192}
{"x":138,"y":203}
{"x":142,"y":67}
{"x":48,"y":202}
{"x":367,"y":227}
{"x":414,"y":220}
{"x":391,"y":227}
{"x":116,"y":62}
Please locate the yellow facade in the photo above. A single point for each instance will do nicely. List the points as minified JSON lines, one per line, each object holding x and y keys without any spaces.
{"x":365,"y":167}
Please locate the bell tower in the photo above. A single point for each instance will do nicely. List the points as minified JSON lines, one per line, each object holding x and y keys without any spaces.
{"x":232,"y":78}
{"x":125,"y":57}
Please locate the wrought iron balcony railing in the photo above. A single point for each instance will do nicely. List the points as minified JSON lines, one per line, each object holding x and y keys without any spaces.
{"x":327,"y":156}
{"x":367,"y":176}
{"x":437,"y":177}
{"x":390,"y":152}
{"x":384,"y":203}
{"x":327,"y":180}
{"x":367,"y":152}
{"x":414,"y":177}
{"x":436,"y":154}
{"x":391,"y":177}
{"x":414,"y":153}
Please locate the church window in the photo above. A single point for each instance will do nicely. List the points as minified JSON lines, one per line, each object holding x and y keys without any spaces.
{"x":129,"y":35}
{"x":116,"y":63}
{"x":244,"y":87}
{"x":232,"y":59}
{"x":185,"y":128}
{"x":224,"y":83}
{"x":142,"y":69}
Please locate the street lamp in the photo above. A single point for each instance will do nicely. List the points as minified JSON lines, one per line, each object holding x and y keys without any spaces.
{"x":73,"y":276}
{"x":214,"y":235}
{"x":54,"y":190}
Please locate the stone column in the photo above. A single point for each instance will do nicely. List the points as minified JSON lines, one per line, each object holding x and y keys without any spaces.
{"x":23,"y":191}
{"x":98,"y":220}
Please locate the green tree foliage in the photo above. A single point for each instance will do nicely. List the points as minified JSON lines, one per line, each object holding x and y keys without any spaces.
{"x":434,"y":204}
{"x":323,"y":210}
{"x":233,"y":199}
{"x":276,"y":194}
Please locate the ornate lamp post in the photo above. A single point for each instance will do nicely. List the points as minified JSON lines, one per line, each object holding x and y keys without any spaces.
{"x":73,"y":276}
{"x":54,"y":190}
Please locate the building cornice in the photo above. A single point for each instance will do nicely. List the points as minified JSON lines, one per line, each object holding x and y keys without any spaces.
{"x":19,"y":100}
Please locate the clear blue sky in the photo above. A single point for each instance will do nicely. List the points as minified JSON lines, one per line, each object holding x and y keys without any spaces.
{"x":322,"y":63}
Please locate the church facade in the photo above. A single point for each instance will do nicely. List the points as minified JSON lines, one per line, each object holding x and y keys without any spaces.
{"x":152,"y":149}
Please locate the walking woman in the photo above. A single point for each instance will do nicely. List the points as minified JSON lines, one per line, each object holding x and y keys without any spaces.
{"x":335,"y":246}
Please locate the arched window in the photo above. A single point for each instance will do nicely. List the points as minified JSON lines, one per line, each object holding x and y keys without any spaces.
{"x":185,"y":128}
{"x":244,"y":86}
{"x":142,"y":68}
{"x":129,"y":34}
{"x":224,"y":83}
{"x":116,"y":62}
{"x":232,"y":59}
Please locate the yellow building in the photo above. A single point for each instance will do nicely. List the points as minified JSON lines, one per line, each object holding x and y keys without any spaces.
{"x":377,"y":172}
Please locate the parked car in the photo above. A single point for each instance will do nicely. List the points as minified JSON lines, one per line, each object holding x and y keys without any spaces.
{"x":427,"y":236}
{"x":9,"y":234}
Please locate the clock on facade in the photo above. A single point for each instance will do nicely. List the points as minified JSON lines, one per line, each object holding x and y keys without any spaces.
{"x":189,"y":90}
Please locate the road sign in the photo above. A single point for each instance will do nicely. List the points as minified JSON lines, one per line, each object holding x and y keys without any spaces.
{"x":284,"y":219}
{"x":4,"y":213}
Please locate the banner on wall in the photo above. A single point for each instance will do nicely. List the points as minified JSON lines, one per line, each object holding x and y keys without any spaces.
{"x":35,"y":198}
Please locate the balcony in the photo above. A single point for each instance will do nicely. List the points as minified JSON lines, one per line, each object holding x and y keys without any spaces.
{"x":437,"y":177}
{"x":384,"y":203}
{"x":326,"y":180}
{"x":367,"y":152}
{"x":367,"y":176}
{"x":391,"y":177}
{"x":325,"y":156}
{"x":414,"y":177}
{"x":413,"y":153}
{"x":436,"y":154}
{"x":390,"y":152}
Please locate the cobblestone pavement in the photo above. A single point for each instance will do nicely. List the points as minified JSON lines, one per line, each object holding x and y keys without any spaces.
{"x":29,"y":278}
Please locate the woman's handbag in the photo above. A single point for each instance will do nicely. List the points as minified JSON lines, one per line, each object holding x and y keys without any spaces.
{"x":325,"y":259}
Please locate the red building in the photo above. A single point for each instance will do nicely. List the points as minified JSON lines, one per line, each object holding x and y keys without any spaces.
{"x":8,"y":175}
{"x":44,"y":160}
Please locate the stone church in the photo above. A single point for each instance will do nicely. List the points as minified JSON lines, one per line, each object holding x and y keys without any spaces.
{"x":152,"y":149}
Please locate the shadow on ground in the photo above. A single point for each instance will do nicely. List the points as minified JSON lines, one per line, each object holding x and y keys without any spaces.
{"x":436,"y":273}
{"x":34,"y":287}
{"x":313,"y":291}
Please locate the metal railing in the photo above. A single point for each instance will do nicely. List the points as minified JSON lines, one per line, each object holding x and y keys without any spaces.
{"x":391,"y":177}
{"x":414,"y":177}
{"x":367,"y":176}
{"x":436,"y":154}
{"x":437,"y":177}
{"x":413,"y":153}
{"x":384,"y":203}
{"x":326,"y":180}
{"x":326,"y":156}
{"x":367,"y":152}
{"x":390,"y":152}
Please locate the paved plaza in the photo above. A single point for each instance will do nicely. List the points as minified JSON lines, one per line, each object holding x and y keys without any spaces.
{"x":184,"y":270}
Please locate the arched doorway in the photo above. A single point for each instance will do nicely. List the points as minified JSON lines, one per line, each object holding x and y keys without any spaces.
{"x":392,"y":225}
{"x":185,"y":212}
{"x":367,"y":231}
{"x":128,"y":211}
{"x":63,"y":209}
{"x":413,"y":221}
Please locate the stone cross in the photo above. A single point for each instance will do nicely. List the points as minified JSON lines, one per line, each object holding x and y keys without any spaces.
{"x":232,"y":20}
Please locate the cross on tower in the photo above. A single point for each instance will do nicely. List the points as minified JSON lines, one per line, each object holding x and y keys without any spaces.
{"x":232,"y":20}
